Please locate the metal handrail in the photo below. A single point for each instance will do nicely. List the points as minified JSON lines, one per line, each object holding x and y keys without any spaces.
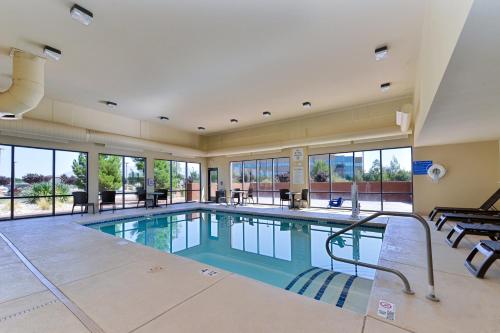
{"x":430,"y":272}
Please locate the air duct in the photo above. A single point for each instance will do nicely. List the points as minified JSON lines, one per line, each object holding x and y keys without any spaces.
{"x":27,"y":87}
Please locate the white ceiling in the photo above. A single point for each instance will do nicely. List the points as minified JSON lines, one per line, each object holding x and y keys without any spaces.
{"x":467,"y":104}
{"x":202,"y":63}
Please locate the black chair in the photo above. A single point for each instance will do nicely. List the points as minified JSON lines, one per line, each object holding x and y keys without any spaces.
{"x":163,"y":196}
{"x":220,"y":195}
{"x":485,"y":208}
{"x":107,"y":198}
{"x":284,"y":196}
{"x":143,"y":196}
{"x":467,"y":218}
{"x":81,"y":199}
{"x":304,"y":197}
{"x":235,"y":195}
{"x":249,"y":195}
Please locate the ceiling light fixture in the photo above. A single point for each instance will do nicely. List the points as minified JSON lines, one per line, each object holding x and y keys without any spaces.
{"x":110,"y":104}
{"x":200,"y":128}
{"x":266,"y":114}
{"x":234,"y":121}
{"x":381,"y":52}
{"x":385,"y":86}
{"x":306,"y":105}
{"x":82,"y":15}
{"x":52,"y":53}
{"x":163,"y":118}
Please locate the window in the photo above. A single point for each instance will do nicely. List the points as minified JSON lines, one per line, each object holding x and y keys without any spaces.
{"x":264,"y":177}
{"x":42,"y":188}
{"x":384,"y":179}
{"x":181,"y":179}
{"x":123,"y":174}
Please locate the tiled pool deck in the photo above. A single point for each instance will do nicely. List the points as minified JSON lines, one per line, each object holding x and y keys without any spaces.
{"x":127,"y":287}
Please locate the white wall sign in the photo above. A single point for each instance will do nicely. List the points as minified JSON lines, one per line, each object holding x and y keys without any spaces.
{"x":298,"y":175}
{"x":298,"y":154}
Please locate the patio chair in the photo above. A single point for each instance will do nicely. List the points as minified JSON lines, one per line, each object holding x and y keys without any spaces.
{"x":163,"y":196}
{"x":335,"y":203}
{"x":248,"y":196}
{"x":81,"y":199}
{"x":486,"y":207}
{"x":284,"y":196}
{"x":490,"y":249}
{"x":235,"y":195}
{"x":143,"y":196}
{"x":490,"y":230}
{"x":467,"y":218}
{"x":304,"y":197}
{"x":107,"y":198}
{"x":220,"y":196}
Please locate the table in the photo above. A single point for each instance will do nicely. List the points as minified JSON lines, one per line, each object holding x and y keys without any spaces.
{"x":292,"y":199}
{"x":240,"y":199}
{"x":155,"y":197}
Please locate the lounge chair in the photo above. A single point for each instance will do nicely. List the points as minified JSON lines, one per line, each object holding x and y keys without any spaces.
{"x":462,"y":229}
{"x":490,"y":249}
{"x":487,"y":206}
{"x":467,"y":218}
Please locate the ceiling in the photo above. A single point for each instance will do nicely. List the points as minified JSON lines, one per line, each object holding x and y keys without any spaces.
{"x":201,"y":63}
{"x":466,"y":105}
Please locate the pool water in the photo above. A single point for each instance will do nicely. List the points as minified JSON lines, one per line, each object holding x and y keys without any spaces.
{"x":286,"y":253}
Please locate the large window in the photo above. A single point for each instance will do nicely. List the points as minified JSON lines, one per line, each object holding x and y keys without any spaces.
{"x":123,"y":174}
{"x":44,"y":187}
{"x":181,"y":179}
{"x":384,"y":179}
{"x":264,"y":177}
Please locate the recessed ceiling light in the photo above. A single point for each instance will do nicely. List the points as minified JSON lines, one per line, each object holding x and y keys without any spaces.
{"x":110,"y":104}
{"x":381,"y":52}
{"x":200,"y":128}
{"x":234,"y":121}
{"x":163,"y":118}
{"x":306,"y":105}
{"x":266,"y":114}
{"x":82,"y":15}
{"x":385,"y":86}
{"x":52,"y":53}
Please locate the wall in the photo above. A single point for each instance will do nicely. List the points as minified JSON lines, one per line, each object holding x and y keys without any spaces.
{"x":443,"y":23}
{"x":473,"y":171}
{"x":93,"y":155}
{"x":78,"y":116}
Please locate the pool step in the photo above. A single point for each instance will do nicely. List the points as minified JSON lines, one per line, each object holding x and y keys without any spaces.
{"x":331,"y":287}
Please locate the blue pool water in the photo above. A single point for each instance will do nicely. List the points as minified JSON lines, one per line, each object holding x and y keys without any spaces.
{"x":285,"y":253}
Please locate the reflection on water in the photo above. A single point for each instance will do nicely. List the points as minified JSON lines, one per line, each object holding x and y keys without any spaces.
{"x":273,"y":250}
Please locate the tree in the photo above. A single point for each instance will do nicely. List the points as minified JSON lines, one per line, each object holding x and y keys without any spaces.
{"x":110,"y":172}
{"x":162,"y":174}
{"x":33,"y":178}
{"x":394,"y":172}
{"x":79,"y":167}
{"x":319,"y":172}
{"x":4,"y":181}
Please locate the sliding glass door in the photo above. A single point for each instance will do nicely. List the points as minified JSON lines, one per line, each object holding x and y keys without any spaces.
{"x":181,"y":179}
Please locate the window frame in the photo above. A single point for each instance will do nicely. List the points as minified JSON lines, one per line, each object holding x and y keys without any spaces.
{"x":53,"y":196}
{"x":170,"y":190}
{"x":353,"y":153}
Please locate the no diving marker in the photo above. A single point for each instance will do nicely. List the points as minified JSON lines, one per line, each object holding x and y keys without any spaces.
{"x":386,"y":310}
{"x":208,"y":272}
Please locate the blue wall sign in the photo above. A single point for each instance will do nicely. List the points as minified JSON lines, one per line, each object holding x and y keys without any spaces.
{"x":420,"y":167}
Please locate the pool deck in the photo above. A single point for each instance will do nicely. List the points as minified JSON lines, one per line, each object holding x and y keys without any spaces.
{"x":120,"y":286}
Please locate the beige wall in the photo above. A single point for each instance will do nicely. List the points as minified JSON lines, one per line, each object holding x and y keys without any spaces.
{"x":443,"y":23}
{"x":472,"y":175}
{"x":78,"y":116}
{"x":338,"y":125}
{"x":93,"y":150}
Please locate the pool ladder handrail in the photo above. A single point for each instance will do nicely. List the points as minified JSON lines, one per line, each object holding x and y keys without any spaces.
{"x":407,"y":289}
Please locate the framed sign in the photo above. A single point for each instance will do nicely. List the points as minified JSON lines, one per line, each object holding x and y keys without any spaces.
{"x":298,"y":154}
{"x":151,"y":182}
{"x":420,"y":167}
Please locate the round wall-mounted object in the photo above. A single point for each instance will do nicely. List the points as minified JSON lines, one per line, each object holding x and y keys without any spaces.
{"x":436,"y":172}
